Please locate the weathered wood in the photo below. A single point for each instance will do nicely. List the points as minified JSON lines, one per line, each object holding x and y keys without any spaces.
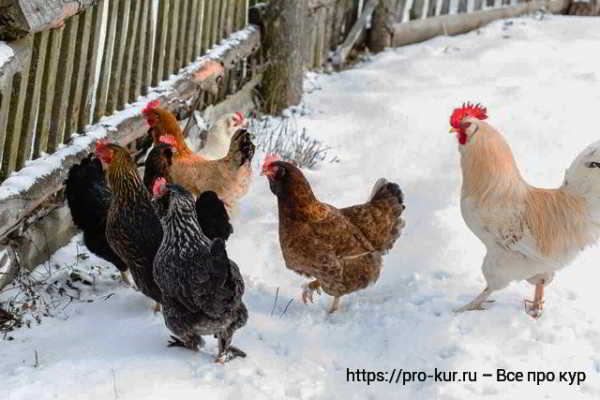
{"x":283,"y":78}
{"x":32,"y":101}
{"x":344,"y":49}
{"x":418,"y":31}
{"x":5,"y":94}
{"x":230,"y":17}
{"x":84,"y":33}
{"x":149,"y":44}
{"x":121,"y":43}
{"x":47,"y":96}
{"x":462,"y":6}
{"x":171,"y":39}
{"x":13,"y":125}
{"x":320,"y":39}
{"x":181,"y":35}
{"x":190,"y":35}
{"x":478,"y":5}
{"x":19,"y":18}
{"x":63,"y":85}
{"x":87,"y":96}
{"x":134,"y":43}
{"x":207,"y":26}
{"x":109,"y":46}
{"x":215,"y":36}
{"x":141,"y":60}
{"x":380,"y":35}
{"x":160,"y":45}
{"x":199,"y":33}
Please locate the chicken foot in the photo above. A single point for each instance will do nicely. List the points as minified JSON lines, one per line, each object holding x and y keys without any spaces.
{"x":534,"y":308}
{"x":308,"y":289}
{"x":227,"y":352}
{"x":478,"y":302}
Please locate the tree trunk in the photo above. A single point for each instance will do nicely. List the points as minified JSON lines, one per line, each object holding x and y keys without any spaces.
{"x":381,"y":33}
{"x":283,"y":25}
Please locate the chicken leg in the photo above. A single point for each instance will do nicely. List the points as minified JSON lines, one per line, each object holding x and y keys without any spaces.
{"x":335,"y":305}
{"x":534,"y":308}
{"x":477,"y":303}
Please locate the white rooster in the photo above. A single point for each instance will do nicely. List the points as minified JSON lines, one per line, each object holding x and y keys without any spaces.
{"x":529,"y":232}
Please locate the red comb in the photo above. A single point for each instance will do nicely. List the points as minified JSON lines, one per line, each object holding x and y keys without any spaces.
{"x":269,"y":159}
{"x":101,"y":145}
{"x":151,"y":106}
{"x":168,"y":139}
{"x":467,"y":110}
{"x":159,"y":185}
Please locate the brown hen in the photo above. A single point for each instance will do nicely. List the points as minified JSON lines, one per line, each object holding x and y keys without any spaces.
{"x":341,"y":249}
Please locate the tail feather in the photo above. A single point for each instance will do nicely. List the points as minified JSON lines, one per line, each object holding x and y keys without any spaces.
{"x":380,"y":218}
{"x":88,"y":198}
{"x":212,"y":216}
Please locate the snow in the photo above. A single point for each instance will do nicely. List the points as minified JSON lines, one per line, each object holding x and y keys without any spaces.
{"x":386,"y":117}
{"x":6,"y":53}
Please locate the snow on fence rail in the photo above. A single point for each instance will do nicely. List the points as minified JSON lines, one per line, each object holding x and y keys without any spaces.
{"x":72,"y":72}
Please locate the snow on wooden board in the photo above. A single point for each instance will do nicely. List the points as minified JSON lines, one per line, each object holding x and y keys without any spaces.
{"x":387,"y":117}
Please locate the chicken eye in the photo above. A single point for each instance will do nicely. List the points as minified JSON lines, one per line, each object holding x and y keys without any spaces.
{"x":593,"y":164}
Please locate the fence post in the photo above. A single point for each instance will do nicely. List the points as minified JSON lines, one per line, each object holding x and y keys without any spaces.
{"x":283,"y":23}
{"x":381,"y":33}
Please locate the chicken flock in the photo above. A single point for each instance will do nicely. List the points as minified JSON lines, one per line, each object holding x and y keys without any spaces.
{"x":166,"y":232}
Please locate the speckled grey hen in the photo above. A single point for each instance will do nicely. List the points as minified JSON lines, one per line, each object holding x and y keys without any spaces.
{"x":202,"y":289}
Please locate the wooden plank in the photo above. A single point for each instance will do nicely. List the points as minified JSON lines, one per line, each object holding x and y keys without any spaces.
{"x":222,"y":32}
{"x":109,"y":50}
{"x":14,"y":122}
{"x":478,"y":5}
{"x":32,"y":101}
{"x":445,"y":7}
{"x":323,"y":48}
{"x":431,"y":8}
{"x":141,"y":61}
{"x":118,"y":59}
{"x":207,"y":26}
{"x":490,"y":3}
{"x":20,"y":18}
{"x":40,"y":144}
{"x":418,"y":31}
{"x":462,"y":6}
{"x":181,"y":44}
{"x":230,"y":17}
{"x":162,"y":29}
{"x":133,"y":48}
{"x":171,"y":39}
{"x":417,"y":9}
{"x":87,"y":95}
{"x":191,"y":31}
{"x":199,"y":35}
{"x":84,"y":33}
{"x":4,"y":106}
{"x":149,"y":44}
{"x":63,"y":85}
{"x":216,"y":23}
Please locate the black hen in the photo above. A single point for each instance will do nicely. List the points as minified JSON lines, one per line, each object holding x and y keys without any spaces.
{"x":88,"y":198}
{"x":202,"y":289}
{"x":212,"y":216}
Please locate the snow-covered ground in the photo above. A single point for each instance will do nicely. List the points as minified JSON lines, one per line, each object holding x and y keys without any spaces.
{"x":388,"y":117}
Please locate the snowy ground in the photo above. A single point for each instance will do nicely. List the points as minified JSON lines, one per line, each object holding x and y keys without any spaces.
{"x":388,"y":117}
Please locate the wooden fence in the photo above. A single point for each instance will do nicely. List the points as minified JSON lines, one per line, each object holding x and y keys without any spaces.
{"x":63,"y":81}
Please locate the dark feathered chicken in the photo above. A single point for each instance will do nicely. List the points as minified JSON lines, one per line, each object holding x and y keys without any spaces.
{"x":212,"y":216}
{"x":132,"y":229}
{"x":202,"y":289}
{"x":88,"y":198}
{"x":157,"y":164}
